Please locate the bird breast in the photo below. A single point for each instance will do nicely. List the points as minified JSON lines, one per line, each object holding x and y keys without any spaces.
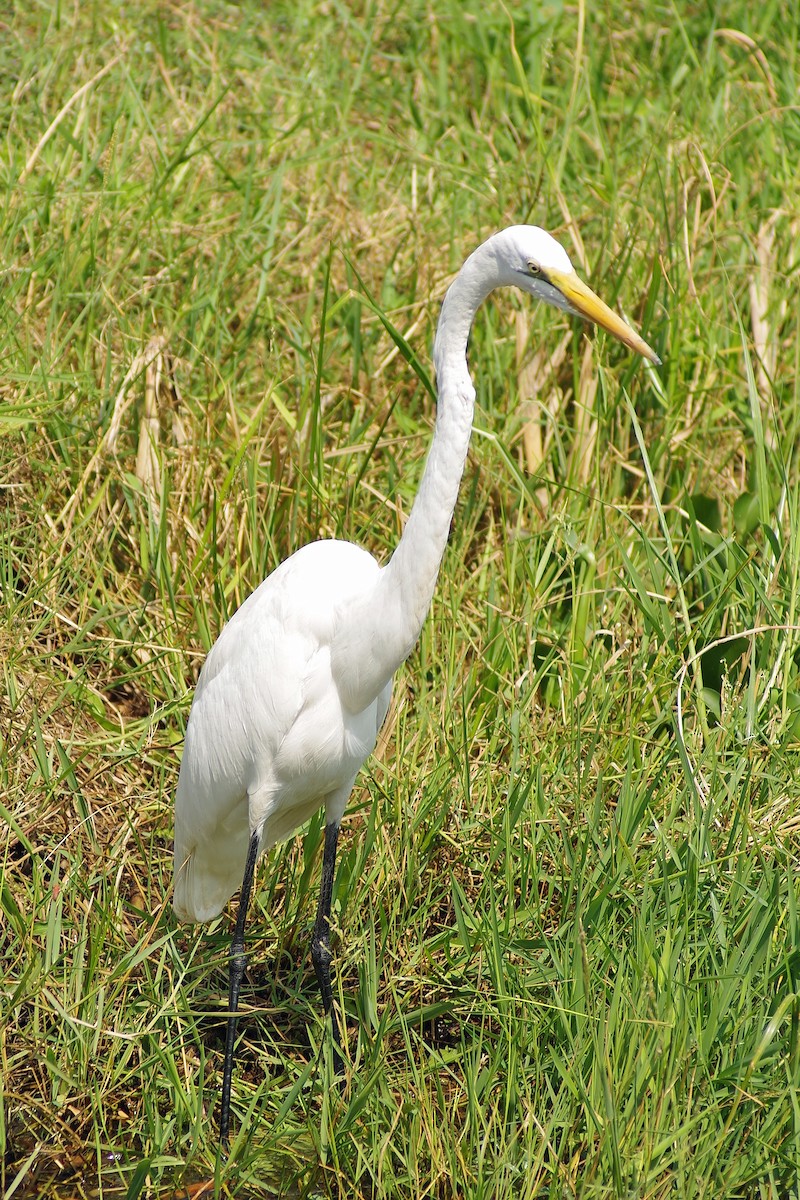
{"x":268,"y":722}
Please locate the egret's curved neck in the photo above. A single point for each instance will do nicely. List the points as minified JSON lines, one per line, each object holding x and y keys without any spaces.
{"x":378,"y":634}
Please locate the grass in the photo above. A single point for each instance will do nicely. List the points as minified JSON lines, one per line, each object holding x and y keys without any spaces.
{"x":567,"y":899}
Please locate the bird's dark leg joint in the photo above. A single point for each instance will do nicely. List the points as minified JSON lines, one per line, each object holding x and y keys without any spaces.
{"x":321,"y":956}
{"x":238,"y":965}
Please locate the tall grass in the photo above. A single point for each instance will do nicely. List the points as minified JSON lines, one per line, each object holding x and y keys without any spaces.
{"x":567,"y":900}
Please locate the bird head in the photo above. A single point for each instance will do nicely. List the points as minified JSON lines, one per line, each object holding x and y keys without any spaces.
{"x":529,"y":258}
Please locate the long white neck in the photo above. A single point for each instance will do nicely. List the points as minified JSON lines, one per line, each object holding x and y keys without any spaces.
{"x":379,"y":631}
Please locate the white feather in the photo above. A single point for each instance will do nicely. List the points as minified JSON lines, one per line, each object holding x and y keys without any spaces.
{"x":292,"y":696}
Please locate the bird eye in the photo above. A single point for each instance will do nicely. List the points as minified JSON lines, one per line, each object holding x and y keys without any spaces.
{"x":534,"y":268}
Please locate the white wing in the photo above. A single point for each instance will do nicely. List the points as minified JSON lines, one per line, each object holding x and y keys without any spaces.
{"x":269,"y":737}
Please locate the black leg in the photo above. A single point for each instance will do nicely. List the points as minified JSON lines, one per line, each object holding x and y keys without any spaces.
{"x":238,"y":964}
{"x":321,"y":940}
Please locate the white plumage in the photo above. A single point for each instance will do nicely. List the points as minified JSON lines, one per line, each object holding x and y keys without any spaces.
{"x":269,"y":738}
{"x":292,"y":695}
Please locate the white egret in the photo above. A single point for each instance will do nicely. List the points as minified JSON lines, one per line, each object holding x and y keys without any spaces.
{"x":293,"y":693}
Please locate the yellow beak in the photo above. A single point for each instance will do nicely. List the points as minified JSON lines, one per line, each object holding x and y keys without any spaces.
{"x":584,"y":301}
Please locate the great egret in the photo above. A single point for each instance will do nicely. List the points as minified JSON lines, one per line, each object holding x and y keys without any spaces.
{"x":293,"y":693}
